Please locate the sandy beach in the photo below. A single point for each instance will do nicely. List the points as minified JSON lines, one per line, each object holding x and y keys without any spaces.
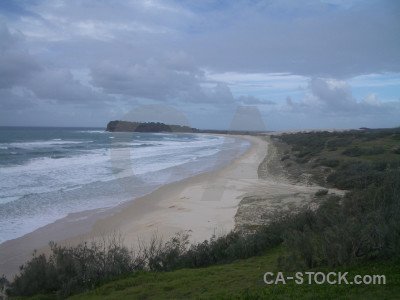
{"x":210,"y":203}
{"x":206,"y":204}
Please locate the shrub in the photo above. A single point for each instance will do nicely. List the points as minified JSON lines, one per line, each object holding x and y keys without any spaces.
{"x":356,"y":151}
{"x":355,"y":174}
{"x":338,"y":142}
{"x":332,"y":163}
{"x":363,"y":225}
{"x":374,"y":150}
{"x":302,"y":160}
{"x":4,"y":286}
{"x":70,"y":269}
{"x":321,"y":193}
{"x":353,"y":152}
{"x":285,"y":157}
{"x":396,"y":150}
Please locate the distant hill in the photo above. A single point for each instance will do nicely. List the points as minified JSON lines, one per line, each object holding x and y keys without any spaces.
{"x":125,"y":126}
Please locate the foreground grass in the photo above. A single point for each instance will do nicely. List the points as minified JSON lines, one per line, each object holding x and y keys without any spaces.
{"x":243,"y":279}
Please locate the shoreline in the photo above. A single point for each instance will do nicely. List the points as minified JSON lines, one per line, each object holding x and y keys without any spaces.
{"x":171,"y":208}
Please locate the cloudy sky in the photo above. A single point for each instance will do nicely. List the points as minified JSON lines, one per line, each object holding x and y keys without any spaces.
{"x":298,"y":64}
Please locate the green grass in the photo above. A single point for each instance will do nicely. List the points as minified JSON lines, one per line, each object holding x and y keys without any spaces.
{"x":243,"y":279}
{"x":203,"y":283}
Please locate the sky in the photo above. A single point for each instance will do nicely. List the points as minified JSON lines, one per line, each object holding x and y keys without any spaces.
{"x":312,"y":64}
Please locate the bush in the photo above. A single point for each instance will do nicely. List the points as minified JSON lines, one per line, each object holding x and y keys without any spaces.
{"x":356,"y":151}
{"x":332,"y":163}
{"x":355,"y":174}
{"x":396,"y":150}
{"x":321,"y":193}
{"x":373,"y":151}
{"x":353,"y":152}
{"x":338,"y":142}
{"x":4,"y":286}
{"x":70,"y":269}
{"x":363,"y":225}
{"x":285,"y":157}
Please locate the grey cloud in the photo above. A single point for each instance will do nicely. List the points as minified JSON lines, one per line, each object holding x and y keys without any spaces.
{"x":16,"y":67}
{"x":5,"y":37}
{"x":313,"y":38}
{"x":156,"y":112}
{"x":251,"y":100}
{"x":332,"y":95}
{"x":218,"y":96}
{"x":135,"y":51}
{"x":16,"y":99}
{"x":172,"y":77}
{"x":21,"y":71}
{"x":152,"y":79}
{"x":289,"y":101}
{"x":248,"y":118}
{"x":59,"y":85}
{"x":317,"y":40}
{"x":363,"y":114}
{"x":16,"y":64}
{"x":222,"y":93}
{"x":329,"y":97}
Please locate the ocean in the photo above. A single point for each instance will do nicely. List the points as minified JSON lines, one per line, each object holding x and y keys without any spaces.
{"x":48,"y":173}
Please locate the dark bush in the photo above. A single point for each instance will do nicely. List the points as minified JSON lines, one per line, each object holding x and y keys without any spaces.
{"x":353,"y":152}
{"x":373,"y":151}
{"x":4,"y":287}
{"x":302,"y":160}
{"x":70,"y":269}
{"x":321,"y":193}
{"x":285,"y":157}
{"x":338,"y":142}
{"x":356,"y":151}
{"x":355,"y":174}
{"x":332,"y":163}
{"x":379,"y":165}
{"x":396,"y":150}
{"x":363,"y":225}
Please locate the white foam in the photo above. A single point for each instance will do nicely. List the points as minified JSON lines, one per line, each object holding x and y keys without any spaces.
{"x":4,"y":200}
{"x":47,"y":174}
{"x":43,"y":144}
{"x":93,"y":131}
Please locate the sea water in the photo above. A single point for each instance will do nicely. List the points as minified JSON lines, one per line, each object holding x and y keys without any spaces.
{"x":48,"y":173}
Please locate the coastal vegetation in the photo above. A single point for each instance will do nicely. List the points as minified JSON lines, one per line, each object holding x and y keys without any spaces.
{"x":357,"y":233}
